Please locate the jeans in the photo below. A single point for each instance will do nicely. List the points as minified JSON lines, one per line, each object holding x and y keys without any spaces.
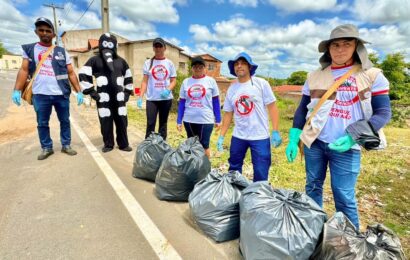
{"x":43,"y":105}
{"x":260,"y":153}
{"x":160,"y":108}
{"x":344,"y":170}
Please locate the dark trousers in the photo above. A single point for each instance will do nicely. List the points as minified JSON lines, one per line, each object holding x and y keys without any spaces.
{"x":43,"y":105}
{"x":107,"y":129}
{"x":160,"y":108}
{"x":260,"y":153}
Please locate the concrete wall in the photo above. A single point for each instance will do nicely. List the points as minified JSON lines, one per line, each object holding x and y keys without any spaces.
{"x":8,"y":62}
{"x":79,"y":38}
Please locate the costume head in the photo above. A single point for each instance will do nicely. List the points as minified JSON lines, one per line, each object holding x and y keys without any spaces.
{"x":345,"y":31}
{"x":247,"y":58}
{"x":107,"y":44}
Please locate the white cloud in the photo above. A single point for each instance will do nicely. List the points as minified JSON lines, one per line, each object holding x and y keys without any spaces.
{"x":250,"y":3}
{"x":381,"y":11}
{"x":303,"y":5}
{"x":280,"y":50}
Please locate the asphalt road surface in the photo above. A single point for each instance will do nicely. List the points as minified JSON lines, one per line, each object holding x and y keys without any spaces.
{"x":86,"y":206}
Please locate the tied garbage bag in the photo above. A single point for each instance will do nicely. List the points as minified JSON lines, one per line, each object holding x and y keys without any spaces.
{"x":214,"y":204}
{"x":181,"y":170}
{"x":363,"y":133}
{"x":278,"y":224}
{"x":148,"y":157}
{"x":342,"y":241}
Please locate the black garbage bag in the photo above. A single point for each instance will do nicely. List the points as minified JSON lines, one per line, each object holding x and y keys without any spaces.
{"x":342,"y":241}
{"x":363,"y":133}
{"x":148,"y":157}
{"x":181,"y":170}
{"x":278,"y":223}
{"x":214,"y":204}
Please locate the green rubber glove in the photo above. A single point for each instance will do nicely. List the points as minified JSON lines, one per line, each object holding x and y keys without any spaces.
{"x":342,"y":144}
{"x":292,"y":148}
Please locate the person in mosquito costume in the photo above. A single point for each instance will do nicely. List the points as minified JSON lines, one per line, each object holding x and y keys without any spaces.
{"x":114,"y":87}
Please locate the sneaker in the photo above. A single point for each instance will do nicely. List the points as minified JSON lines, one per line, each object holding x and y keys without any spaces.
{"x":45,"y":154}
{"x":126,"y":149}
{"x":106,"y":149}
{"x":68,"y":150}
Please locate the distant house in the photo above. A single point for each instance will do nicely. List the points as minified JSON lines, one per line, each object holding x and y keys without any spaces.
{"x":289,"y":91}
{"x":83,"y":44}
{"x":10,"y":61}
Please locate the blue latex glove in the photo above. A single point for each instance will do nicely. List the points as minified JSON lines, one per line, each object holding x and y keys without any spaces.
{"x":219,"y":144}
{"x":342,"y":144}
{"x":16,"y":97}
{"x":275,"y":138}
{"x":80,"y":98}
{"x":165,"y":93}
{"x":292,"y":148}
{"x":139,"y":102}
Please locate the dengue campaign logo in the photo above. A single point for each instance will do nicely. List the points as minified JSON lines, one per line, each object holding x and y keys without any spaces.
{"x":196,"y":92}
{"x":244,"y":105}
{"x":40,"y":55}
{"x":159,"y":72}
{"x":348,"y":93}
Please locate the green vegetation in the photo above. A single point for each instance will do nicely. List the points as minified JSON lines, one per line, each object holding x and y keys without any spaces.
{"x":2,"y":50}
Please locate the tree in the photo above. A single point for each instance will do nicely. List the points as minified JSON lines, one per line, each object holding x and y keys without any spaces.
{"x":374,"y":59}
{"x":297,"y":78}
{"x":394,"y":67}
{"x":2,"y":50}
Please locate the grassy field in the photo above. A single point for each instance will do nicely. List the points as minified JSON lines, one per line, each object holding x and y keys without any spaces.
{"x":383,"y":188}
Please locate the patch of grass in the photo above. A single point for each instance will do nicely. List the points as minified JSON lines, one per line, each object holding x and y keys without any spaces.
{"x":383,"y":186}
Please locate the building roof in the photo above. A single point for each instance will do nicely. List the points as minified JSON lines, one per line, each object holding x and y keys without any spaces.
{"x":212,"y":58}
{"x":288,"y":88}
{"x":151,"y":40}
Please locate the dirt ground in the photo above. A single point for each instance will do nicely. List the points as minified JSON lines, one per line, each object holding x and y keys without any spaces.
{"x":11,"y":128}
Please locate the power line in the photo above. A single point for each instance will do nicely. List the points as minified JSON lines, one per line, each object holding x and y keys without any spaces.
{"x":88,"y":7}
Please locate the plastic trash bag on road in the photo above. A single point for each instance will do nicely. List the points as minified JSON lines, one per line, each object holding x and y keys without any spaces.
{"x":181,"y":170}
{"x":278,"y":223}
{"x":148,"y":157}
{"x":214,"y":204}
{"x":342,"y":241}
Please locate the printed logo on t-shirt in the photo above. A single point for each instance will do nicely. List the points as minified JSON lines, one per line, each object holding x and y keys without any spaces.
{"x":347,"y":95}
{"x":244,"y":105}
{"x":46,"y":68}
{"x":196,"y":93}
{"x":159,"y":72}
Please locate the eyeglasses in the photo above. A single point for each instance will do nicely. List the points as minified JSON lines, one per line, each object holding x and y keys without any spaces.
{"x":158,"y":46}
{"x":342,"y":45}
{"x":45,"y":30}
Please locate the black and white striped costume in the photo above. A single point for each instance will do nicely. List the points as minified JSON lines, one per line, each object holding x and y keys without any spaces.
{"x":114,"y":86}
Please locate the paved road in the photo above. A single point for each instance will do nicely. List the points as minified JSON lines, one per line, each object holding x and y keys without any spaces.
{"x":65,"y":207}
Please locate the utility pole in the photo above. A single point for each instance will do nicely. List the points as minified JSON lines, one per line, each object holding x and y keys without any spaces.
{"x":55,"y":18}
{"x":105,"y":11}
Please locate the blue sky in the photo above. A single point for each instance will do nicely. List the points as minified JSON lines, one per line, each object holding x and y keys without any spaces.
{"x":281,"y":35}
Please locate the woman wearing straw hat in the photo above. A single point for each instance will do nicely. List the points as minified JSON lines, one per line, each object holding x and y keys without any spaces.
{"x":330,"y":118}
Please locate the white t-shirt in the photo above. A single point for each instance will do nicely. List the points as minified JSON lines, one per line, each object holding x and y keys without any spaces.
{"x":248,"y":102}
{"x":198,"y":93}
{"x":346,"y":108}
{"x":45,"y":82}
{"x":158,"y":77}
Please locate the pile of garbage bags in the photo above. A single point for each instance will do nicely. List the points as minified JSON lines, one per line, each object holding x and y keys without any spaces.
{"x":214,"y":204}
{"x":148,"y":157}
{"x":342,"y":241}
{"x":180,"y":170}
{"x":278,"y":223}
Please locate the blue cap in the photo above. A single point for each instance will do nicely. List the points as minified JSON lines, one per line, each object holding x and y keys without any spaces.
{"x":248,"y":59}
